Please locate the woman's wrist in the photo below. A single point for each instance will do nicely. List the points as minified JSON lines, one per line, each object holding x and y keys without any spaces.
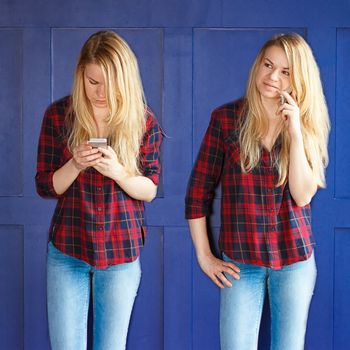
{"x":75,"y":165}
{"x":204,"y":254}
{"x":296,"y":136}
{"x":121,"y":175}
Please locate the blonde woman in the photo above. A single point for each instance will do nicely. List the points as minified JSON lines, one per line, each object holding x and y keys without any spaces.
{"x":269,"y":150}
{"x":98,"y":227}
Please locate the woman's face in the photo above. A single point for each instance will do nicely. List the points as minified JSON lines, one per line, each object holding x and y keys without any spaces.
{"x":95,"y":87}
{"x":273,"y":73}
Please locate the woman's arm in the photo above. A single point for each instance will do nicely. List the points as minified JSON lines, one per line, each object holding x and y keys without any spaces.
{"x":84,"y":156}
{"x":301,"y":180}
{"x":142,"y":187}
{"x":137,"y":187}
{"x":50,"y":149}
{"x":213,"y":267}
{"x":200,"y":193}
{"x":64,"y":177}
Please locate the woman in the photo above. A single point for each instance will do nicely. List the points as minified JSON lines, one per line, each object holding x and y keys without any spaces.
{"x":269,"y":150}
{"x":97,"y":229}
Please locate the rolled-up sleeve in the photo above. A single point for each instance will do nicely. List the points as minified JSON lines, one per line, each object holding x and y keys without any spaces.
{"x":50,"y":151}
{"x":150,"y":149}
{"x":206,"y":172}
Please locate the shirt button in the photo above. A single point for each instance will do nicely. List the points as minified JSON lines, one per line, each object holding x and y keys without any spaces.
{"x":99,"y":188}
{"x":99,"y":208}
{"x":269,"y":190}
{"x":100,"y":228}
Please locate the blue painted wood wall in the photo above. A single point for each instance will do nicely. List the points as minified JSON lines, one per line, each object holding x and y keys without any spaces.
{"x":194,"y":55}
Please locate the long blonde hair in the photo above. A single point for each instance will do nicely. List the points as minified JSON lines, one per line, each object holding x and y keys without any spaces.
{"x":307,"y":87}
{"x":124,"y":93}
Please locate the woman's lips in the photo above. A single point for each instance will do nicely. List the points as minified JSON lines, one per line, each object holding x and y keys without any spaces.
{"x":271,"y":86}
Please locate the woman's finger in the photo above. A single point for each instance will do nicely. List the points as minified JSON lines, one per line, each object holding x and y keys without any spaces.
{"x":231,"y":266}
{"x":289,"y":98}
{"x":224,"y":279}
{"x":83,"y":147}
{"x":88,"y":152}
{"x":286,"y":107}
{"x":231,"y":272}
{"x":217,"y":281}
{"x":107,"y":152}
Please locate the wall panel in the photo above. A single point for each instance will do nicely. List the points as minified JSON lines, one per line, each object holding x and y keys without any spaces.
{"x":178,"y":321}
{"x":11,"y":287}
{"x":36,"y":334}
{"x":36,"y":98}
{"x":146,"y":327}
{"x":342,"y":123}
{"x":11,"y":112}
{"x":341,"y":288}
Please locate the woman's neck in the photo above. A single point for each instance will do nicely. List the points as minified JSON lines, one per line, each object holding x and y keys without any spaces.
{"x":100,"y":116}
{"x":270,"y":108}
{"x":274,"y":122}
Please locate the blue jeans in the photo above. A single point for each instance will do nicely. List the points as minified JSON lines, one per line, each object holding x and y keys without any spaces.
{"x":290,"y":291}
{"x":114,"y":289}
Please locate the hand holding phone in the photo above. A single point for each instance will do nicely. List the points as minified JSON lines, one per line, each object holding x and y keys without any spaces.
{"x":283,"y":98}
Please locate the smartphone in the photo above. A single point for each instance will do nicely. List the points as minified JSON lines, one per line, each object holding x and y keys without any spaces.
{"x":282,"y":98}
{"x":98,"y":142}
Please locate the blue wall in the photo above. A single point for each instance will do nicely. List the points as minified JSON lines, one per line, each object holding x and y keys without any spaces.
{"x":194,"y":55}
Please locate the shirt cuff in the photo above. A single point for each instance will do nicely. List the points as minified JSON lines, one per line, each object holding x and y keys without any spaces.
{"x":154,"y":177}
{"x":196,"y":212}
{"x":45,"y":187}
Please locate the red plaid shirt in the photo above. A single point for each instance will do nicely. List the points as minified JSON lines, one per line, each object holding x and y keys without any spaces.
{"x":94,"y":220}
{"x":260,"y":223}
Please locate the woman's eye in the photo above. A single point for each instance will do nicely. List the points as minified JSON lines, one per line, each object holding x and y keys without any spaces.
{"x":268,"y":65}
{"x":285,"y":72}
{"x":93,"y":82}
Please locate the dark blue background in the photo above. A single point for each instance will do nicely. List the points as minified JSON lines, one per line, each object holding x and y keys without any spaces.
{"x":194,"y":55}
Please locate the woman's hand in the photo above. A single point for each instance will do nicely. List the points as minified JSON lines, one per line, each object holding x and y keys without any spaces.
{"x":290,"y":113}
{"x":85,"y":156}
{"x":216,"y":269}
{"x":109,"y":164}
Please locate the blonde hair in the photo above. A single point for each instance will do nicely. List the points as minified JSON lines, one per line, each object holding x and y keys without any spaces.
{"x":307,"y":87}
{"x":124,"y":94}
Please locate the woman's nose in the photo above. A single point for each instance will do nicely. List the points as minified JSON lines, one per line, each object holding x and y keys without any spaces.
{"x":101,"y":91}
{"x":274,"y":75}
